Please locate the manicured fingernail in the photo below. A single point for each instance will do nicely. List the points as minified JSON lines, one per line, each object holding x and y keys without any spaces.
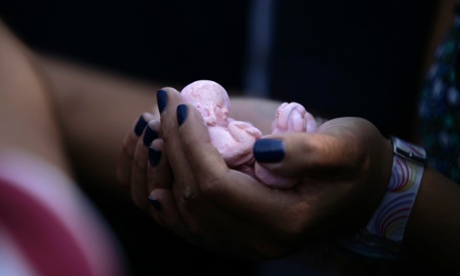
{"x":268,"y":150}
{"x":155,"y":203}
{"x":154,"y":156}
{"x":181,"y":113}
{"x":149,"y":136}
{"x":140,"y":125}
{"x":162,"y":100}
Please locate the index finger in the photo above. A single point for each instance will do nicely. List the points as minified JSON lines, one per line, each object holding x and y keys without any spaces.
{"x":231,"y":190}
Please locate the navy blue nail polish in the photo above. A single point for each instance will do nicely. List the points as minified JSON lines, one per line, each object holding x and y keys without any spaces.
{"x":181,"y":113}
{"x":155,"y":203}
{"x":268,"y":150}
{"x":154,"y":157}
{"x":162,"y":100}
{"x":140,"y":125}
{"x":149,"y":136}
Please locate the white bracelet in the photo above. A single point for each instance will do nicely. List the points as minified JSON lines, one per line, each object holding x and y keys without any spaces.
{"x":390,"y":219}
{"x":384,"y":233}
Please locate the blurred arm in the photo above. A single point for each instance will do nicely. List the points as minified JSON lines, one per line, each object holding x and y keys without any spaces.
{"x":27,"y":115}
{"x":95,"y":110}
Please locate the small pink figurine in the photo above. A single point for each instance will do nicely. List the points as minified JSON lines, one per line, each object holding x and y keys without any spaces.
{"x":235,"y":139}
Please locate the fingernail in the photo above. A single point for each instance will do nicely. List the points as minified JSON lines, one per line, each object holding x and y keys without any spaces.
{"x":162,"y":100}
{"x":154,"y":156}
{"x":268,"y":150}
{"x":140,"y":125}
{"x":149,"y":136}
{"x":181,"y":113}
{"x":155,"y":203}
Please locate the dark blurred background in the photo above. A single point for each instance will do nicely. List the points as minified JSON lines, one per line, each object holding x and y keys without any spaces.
{"x":338,"y":58}
{"x":360,"y":58}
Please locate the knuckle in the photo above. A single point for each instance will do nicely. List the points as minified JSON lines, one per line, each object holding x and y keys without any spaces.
{"x":211,"y":187}
{"x":188,"y":194}
{"x":204,"y":187}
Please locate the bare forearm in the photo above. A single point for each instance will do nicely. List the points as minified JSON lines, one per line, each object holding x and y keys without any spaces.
{"x":95,"y":109}
{"x":27,"y":113}
{"x":433,"y":229}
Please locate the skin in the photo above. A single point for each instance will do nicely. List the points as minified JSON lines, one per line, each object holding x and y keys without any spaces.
{"x":235,"y":217}
{"x":74,"y":94}
{"x":234,"y":139}
{"x":208,"y":212}
{"x":79,"y":93}
{"x":26,"y":108}
{"x":344,"y":166}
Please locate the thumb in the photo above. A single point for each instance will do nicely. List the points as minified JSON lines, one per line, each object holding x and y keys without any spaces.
{"x":307,"y":154}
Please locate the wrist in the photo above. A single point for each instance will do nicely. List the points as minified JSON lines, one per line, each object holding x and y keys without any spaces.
{"x":383,"y":235}
{"x":432,"y":230}
{"x":390,"y":219}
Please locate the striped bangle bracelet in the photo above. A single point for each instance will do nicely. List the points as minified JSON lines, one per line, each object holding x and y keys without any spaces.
{"x":384,"y":233}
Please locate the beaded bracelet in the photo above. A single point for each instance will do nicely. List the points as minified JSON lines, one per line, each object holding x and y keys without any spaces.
{"x":384,"y":233}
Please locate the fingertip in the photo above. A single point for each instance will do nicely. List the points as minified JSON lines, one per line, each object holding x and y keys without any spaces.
{"x":196,"y":143}
{"x":129,"y":146}
{"x":149,"y":135}
{"x":156,"y":204}
{"x":182,"y":112}
{"x":168,"y":99}
{"x":140,"y":125}
{"x":156,"y":208}
{"x":162,"y":100}
{"x":154,"y":156}
{"x":163,"y":208}
{"x":287,"y":154}
{"x":159,"y":174}
{"x":192,"y":127}
{"x":269,"y":150}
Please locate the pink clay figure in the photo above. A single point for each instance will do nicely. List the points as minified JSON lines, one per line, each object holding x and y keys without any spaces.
{"x":235,"y":139}
{"x":290,"y":117}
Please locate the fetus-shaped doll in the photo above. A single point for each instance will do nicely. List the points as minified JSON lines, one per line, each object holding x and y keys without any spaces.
{"x":235,"y":139}
{"x":290,"y":117}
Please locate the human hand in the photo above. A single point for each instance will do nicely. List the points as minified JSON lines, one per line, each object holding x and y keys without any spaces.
{"x":234,"y":139}
{"x":290,"y":117}
{"x":141,"y":146}
{"x":344,"y":168}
